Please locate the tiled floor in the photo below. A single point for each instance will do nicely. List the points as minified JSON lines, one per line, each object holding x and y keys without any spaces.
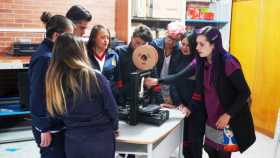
{"x":27,"y":149}
{"x":264,"y":147}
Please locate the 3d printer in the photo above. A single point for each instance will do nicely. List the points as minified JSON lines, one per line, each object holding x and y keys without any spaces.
{"x":139,"y":108}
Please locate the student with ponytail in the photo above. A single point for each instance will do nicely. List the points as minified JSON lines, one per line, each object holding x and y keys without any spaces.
{"x":48,"y":132}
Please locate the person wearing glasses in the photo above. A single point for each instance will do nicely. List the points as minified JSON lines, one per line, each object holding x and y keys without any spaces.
{"x":168,"y":49}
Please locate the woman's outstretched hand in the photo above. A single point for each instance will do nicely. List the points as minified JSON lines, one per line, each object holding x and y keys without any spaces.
{"x":165,"y":105}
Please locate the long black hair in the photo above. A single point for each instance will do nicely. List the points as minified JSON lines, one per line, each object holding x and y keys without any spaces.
{"x":191,"y":37}
{"x":219,"y":54}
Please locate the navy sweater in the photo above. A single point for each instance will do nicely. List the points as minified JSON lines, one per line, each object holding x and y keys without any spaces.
{"x":183,"y":87}
{"x":97,"y":110}
{"x":110,"y":68}
{"x":37,"y":72}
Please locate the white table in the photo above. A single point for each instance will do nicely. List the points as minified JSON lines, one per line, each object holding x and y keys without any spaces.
{"x":152,"y":141}
{"x":146,"y":140}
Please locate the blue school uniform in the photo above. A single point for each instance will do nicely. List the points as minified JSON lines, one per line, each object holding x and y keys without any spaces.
{"x":90,"y":122}
{"x":41,"y":121}
{"x":110,"y":69}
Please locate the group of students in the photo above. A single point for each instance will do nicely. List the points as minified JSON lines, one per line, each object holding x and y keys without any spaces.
{"x":75,"y":87}
{"x":74,"y":113}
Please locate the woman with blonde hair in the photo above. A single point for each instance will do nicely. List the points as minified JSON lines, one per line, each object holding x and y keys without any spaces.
{"x":83,"y":98}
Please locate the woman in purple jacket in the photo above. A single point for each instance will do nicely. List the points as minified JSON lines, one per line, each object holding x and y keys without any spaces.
{"x":222,"y":89}
{"x":83,"y":98}
{"x":221,"y":83}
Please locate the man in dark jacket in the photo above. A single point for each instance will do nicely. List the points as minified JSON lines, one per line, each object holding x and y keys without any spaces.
{"x":168,"y":49}
{"x":141,"y":36}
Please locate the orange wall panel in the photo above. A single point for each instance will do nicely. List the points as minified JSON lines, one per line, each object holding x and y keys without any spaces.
{"x":122,"y":19}
{"x":255,"y":41}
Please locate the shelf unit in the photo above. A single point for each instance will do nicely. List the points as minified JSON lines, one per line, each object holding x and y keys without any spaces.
{"x":135,"y":18}
{"x":161,"y":12}
{"x":154,"y":23}
{"x":154,"y":13}
{"x":222,"y":18}
{"x":198,"y":22}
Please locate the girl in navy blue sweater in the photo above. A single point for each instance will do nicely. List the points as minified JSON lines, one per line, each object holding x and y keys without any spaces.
{"x":48,"y":132}
{"x":102,"y":57}
{"x":82,"y":97}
